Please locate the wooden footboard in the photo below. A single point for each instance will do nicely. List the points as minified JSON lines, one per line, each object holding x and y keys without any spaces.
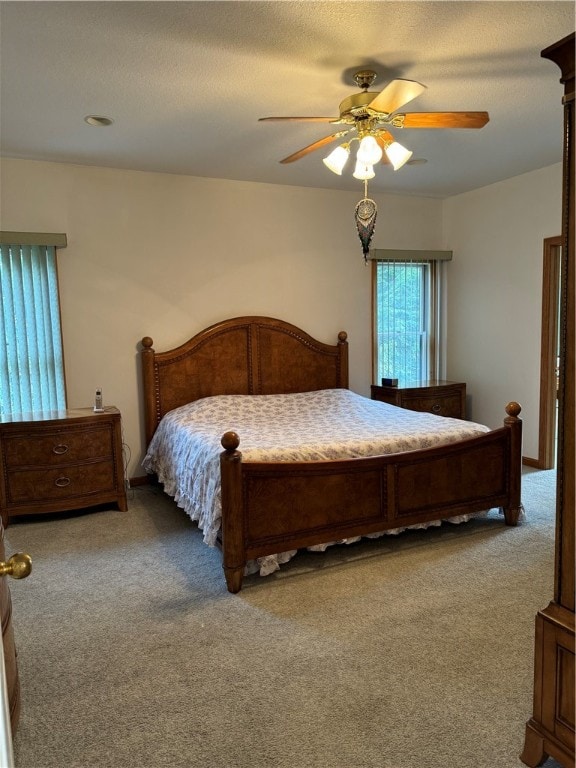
{"x":278,"y":506}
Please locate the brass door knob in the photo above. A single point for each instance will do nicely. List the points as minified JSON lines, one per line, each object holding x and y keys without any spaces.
{"x":18,"y":566}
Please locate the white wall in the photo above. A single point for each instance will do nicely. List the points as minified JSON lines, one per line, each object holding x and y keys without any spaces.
{"x":495,"y":293}
{"x":164,"y":256}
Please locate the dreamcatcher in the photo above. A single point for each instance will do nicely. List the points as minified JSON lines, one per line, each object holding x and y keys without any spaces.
{"x":365,"y":215}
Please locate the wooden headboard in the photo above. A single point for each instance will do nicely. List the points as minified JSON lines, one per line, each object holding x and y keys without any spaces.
{"x":245,"y":356}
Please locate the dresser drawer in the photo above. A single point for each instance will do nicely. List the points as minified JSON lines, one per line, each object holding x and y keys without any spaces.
{"x":46,"y":448}
{"x":30,"y":485}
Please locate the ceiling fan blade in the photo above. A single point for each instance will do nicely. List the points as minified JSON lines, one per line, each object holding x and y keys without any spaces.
{"x":312,"y":147}
{"x":301,"y":119}
{"x":395,"y":95}
{"x":445,"y":119}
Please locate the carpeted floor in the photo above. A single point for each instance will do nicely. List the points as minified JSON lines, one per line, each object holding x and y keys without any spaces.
{"x":413,"y":651}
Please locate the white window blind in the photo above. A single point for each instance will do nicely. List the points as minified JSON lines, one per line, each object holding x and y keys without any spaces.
{"x":31,"y":358}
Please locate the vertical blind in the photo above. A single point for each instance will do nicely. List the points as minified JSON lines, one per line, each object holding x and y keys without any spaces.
{"x":31,"y":358}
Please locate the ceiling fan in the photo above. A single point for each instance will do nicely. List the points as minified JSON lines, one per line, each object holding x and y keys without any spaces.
{"x":369,"y":114}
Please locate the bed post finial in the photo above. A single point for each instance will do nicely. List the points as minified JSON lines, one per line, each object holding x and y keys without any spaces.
{"x":230,"y":441}
{"x":513,"y":410}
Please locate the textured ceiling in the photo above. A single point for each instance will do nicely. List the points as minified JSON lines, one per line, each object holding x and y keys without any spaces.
{"x":185,"y":83}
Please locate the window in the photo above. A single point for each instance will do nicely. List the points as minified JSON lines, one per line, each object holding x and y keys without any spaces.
{"x":31,"y":359}
{"x":406,"y":314}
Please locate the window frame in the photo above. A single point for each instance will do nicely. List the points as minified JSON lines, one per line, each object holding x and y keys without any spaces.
{"x":435,"y":303}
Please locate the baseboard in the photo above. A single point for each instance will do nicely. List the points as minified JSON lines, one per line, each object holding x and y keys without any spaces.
{"x":136,"y":481}
{"x":527,"y":461}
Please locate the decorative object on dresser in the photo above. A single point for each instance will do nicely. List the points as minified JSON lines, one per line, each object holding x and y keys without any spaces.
{"x":550,"y":730}
{"x":60,"y":460}
{"x":444,"y":398}
{"x":280,"y":505}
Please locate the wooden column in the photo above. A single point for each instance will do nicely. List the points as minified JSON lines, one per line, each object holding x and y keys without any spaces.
{"x":550,"y":730}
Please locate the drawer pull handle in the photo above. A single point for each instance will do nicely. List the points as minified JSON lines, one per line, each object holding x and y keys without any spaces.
{"x":62,"y":482}
{"x":436,"y":408}
{"x":18,"y":566}
{"x":60,"y":449}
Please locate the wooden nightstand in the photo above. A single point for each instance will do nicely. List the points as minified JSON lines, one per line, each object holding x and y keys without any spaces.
{"x":444,"y":398}
{"x":60,"y":460}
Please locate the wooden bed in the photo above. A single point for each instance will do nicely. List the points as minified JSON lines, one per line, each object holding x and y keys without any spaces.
{"x":271,"y":507}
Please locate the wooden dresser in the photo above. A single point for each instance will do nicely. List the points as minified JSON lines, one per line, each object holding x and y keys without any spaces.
{"x":550,"y":730}
{"x":60,"y":460}
{"x":444,"y":398}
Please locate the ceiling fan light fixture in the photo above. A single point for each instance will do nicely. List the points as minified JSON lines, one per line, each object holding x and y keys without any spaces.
{"x":398,"y":155}
{"x":337,"y":159}
{"x":369,"y":151}
{"x":363,"y":171}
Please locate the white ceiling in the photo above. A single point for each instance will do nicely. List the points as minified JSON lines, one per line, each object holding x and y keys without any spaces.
{"x":185,"y":83}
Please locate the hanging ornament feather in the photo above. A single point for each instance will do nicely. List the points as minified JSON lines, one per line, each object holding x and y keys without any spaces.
{"x":366,"y":211}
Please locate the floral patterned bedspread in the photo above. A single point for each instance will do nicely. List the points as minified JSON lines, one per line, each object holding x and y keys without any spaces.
{"x":306,"y":426}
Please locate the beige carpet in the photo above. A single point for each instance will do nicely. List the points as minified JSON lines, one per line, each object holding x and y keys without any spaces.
{"x":406,"y":652}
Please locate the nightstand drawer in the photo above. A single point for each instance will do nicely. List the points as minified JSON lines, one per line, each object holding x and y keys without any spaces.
{"x":443,"y":398}
{"x":25,"y":486}
{"x":58,"y":447}
{"x":449,"y":405}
